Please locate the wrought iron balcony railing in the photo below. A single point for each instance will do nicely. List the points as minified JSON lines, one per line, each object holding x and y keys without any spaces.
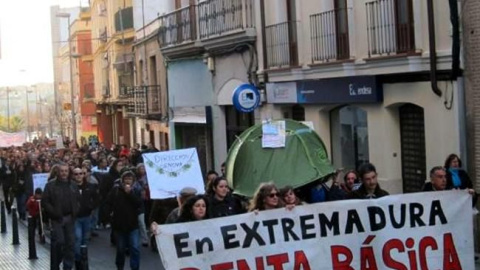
{"x":218,"y":17}
{"x":390,"y":28}
{"x":282,"y":47}
{"x":178,"y":27}
{"x":329,"y":36}
{"x":144,"y":101}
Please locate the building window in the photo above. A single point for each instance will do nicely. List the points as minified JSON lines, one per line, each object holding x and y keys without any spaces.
{"x":349,"y":128}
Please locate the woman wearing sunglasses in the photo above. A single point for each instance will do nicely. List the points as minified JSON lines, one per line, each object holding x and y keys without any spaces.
{"x":266,"y":197}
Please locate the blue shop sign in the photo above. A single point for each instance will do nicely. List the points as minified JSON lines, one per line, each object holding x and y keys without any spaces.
{"x":358,"y":89}
{"x":246,"y":98}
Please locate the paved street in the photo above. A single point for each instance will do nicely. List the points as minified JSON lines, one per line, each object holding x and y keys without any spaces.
{"x":101,"y":254}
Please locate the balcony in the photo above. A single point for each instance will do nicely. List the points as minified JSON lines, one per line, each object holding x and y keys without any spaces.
{"x":282,"y":47}
{"x":178,"y":27}
{"x":221,"y":21}
{"x":390,"y":28}
{"x":211,"y":25}
{"x":144,"y":102}
{"x":329,"y":36}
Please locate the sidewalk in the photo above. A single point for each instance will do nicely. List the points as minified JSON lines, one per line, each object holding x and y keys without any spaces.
{"x":101,"y":253}
{"x":16,"y":257}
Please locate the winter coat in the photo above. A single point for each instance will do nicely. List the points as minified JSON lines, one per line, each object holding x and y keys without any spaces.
{"x":123,"y":208}
{"x":54,"y":197}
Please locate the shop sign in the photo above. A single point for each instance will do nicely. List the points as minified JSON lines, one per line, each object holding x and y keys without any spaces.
{"x":246,"y":98}
{"x":357,"y":89}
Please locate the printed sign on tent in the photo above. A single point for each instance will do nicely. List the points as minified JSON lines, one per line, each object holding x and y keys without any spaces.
{"x":168,"y":172}
{"x":430,"y":230}
{"x":39,"y":180}
{"x":273,"y":134}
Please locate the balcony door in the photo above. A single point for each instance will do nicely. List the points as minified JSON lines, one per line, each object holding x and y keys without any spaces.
{"x":404,"y":26}
{"x":292,"y":31}
{"x":341,"y":27}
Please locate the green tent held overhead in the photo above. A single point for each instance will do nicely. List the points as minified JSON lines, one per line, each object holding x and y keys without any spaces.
{"x":302,"y":160}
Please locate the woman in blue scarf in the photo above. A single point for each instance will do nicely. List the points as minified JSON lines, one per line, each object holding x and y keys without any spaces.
{"x":457,"y":178}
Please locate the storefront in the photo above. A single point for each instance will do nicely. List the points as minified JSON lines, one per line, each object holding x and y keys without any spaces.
{"x":397,"y":125}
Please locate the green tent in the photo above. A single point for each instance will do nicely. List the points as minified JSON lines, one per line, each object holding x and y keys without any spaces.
{"x":302,"y":160}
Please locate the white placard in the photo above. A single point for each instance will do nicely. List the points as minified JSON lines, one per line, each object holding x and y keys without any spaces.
{"x":59,"y":143}
{"x":168,"y":172}
{"x":430,"y":230}
{"x":39,"y":180}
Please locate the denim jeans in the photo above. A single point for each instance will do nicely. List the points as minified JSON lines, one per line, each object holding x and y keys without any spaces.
{"x":132,"y":239}
{"x":21,"y":205}
{"x":62,"y":243}
{"x":94,"y":218}
{"x":82,"y":232}
{"x":143,"y":228}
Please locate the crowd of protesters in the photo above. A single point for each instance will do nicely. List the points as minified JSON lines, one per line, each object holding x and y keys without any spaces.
{"x":92,"y":187}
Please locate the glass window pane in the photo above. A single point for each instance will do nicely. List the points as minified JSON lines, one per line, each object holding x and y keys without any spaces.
{"x":349,"y":137}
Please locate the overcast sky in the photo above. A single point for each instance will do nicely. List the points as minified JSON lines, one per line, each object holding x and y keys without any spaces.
{"x":26,"y":42}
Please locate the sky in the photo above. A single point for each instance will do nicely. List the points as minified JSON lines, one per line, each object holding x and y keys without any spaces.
{"x":26,"y":49}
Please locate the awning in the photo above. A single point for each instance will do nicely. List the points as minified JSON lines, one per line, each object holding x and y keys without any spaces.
{"x":121,"y":59}
{"x":192,"y":115}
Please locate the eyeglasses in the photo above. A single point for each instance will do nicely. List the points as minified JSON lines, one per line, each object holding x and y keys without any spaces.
{"x":272,"y":195}
{"x":81,"y":173}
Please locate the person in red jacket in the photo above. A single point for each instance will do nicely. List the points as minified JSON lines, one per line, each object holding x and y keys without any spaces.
{"x":33,"y":208}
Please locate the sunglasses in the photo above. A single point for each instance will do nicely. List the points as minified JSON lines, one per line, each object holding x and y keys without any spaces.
{"x":81,"y":173}
{"x":272,"y":195}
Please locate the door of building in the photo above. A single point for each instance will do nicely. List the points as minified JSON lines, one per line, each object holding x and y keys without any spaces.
{"x":412,"y":136}
{"x":405,"y":34}
{"x":341,"y":27}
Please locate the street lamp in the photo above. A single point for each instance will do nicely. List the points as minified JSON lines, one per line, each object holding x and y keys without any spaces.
{"x":74,"y":122}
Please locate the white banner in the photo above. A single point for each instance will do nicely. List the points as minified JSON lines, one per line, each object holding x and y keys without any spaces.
{"x":39,"y":180}
{"x":413,"y":231}
{"x":12,"y":139}
{"x":168,"y":172}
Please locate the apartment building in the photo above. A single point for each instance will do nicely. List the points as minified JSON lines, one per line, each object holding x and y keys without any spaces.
{"x":148,"y":109}
{"x":61,"y":66}
{"x":83,"y":80}
{"x":361,"y":71}
{"x":113,"y":34}
{"x":209,"y":50}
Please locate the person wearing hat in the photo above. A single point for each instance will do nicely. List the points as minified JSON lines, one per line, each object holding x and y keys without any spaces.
{"x":123,"y":204}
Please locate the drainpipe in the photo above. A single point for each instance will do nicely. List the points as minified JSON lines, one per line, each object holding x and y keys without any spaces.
{"x":433,"y":51}
{"x":264,"y":40}
{"x":454,"y":19}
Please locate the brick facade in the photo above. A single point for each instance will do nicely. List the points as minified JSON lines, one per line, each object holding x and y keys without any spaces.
{"x":471,"y":40}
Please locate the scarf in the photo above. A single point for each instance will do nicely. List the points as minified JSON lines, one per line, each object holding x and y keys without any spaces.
{"x":455,"y":178}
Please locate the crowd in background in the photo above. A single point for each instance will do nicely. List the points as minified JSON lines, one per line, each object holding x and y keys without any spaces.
{"x":93,"y":187}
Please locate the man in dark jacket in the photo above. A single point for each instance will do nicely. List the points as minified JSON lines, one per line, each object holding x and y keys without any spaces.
{"x":89,"y":198}
{"x":123,"y":204}
{"x":61,"y":202}
{"x":438,"y":180}
{"x":7,"y":180}
{"x":370,"y":189}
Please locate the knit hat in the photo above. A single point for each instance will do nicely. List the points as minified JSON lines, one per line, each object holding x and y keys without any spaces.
{"x":188,"y":191}
{"x":127,"y":173}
